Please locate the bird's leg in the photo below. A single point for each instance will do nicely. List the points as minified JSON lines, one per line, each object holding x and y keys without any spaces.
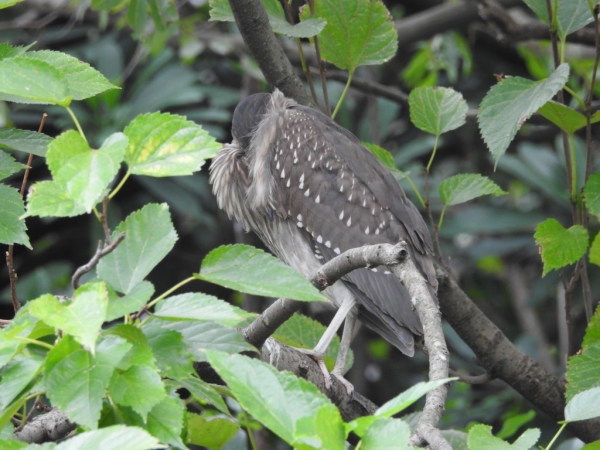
{"x":318,"y":352}
{"x":340,"y":362}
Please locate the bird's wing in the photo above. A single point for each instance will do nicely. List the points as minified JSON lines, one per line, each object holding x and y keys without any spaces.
{"x":342,"y":197}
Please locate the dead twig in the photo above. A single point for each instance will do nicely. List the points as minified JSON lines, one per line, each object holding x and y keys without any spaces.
{"x":100,"y":252}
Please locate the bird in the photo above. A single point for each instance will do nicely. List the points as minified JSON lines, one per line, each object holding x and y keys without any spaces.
{"x":310,"y":190}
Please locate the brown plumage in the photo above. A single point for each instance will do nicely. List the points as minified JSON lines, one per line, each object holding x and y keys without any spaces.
{"x":310,"y":190}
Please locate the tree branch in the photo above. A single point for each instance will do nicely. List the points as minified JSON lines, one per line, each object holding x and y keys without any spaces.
{"x":100,"y":252}
{"x":51,"y":426}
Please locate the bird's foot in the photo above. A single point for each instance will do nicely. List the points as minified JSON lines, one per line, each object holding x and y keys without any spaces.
{"x":319,"y":358}
{"x":349,"y":386}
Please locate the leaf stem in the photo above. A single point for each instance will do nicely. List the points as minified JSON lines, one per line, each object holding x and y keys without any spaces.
{"x":556,"y":435}
{"x":119,"y":186}
{"x":437,"y":138}
{"x":442,"y":217}
{"x":248,"y":430}
{"x":169,"y":292}
{"x":573,"y":168}
{"x":412,"y":184}
{"x":76,"y":123}
{"x":576,"y":97}
{"x":34,"y":342}
{"x":337,"y":107}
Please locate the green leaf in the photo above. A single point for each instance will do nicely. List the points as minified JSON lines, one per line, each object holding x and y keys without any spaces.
{"x":210,"y":431}
{"x":47,"y":198}
{"x":105,"y":5}
{"x":204,"y":393}
{"x":15,"y":377}
{"x":24,"y":80}
{"x":6,"y":4}
{"x":437,"y":110}
{"x":467,"y":186}
{"x":10,"y":51}
{"x":585,"y":405}
{"x":559,"y":246}
{"x":201,"y":336}
{"x":481,"y":438}
{"x":591,"y":193}
{"x":572,"y":16}
{"x":83,"y":81}
{"x":165,"y":421}
{"x":140,"y":353}
{"x":111,"y":438}
{"x":386,"y":158}
{"x":82,"y":318}
{"x":137,"y":16}
{"x":8,"y":165}
{"x":12,"y":227}
{"x":386,"y":433}
{"x":408,"y":397}
{"x":511,"y":102}
{"x":139,"y":295}
{"x":149,"y":237}
{"x":303,"y":332}
{"x":565,"y":118}
{"x":248,"y":269}
{"x":582,"y":369}
{"x":162,"y":145}
{"x":358,"y":32}
{"x":173,"y":358}
{"x":595,"y":251}
{"x":24,"y":141}
{"x":512,"y":424}
{"x":198,"y":306}
{"x":220,"y":10}
{"x":289,"y":406}
{"x":138,"y":387}
{"x":76,"y":381}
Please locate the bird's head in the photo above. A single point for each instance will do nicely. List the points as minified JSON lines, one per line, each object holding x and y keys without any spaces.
{"x":246,"y":117}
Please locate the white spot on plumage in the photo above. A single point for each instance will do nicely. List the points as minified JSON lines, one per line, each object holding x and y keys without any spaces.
{"x":367,"y":230}
{"x":342,"y":188}
{"x":337,"y":250}
{"x":387,"y":272}
{"x":307,"y":193}
{"x":320,"y":239}
{"x":313,"y":164}
{"x":288,"y":183}
{"x":295,"y":160}
{"x":299,"y":224}
{"x":318,"y":199}
{"x":275,"y":156}
{"x":302,"y":178}
{"x":309,"y":156}
{"x":299,"y":217}
{"x":349,"y":221}
{"x":319,"y":256}
{"x":342,"y":215}
{"x":364,"y":203}
{"x":328,"y":244}
{"x":377,"y":231}
{"x":283,"y":173}
{"x":373,"y":270}
{"x":350,"y":196}
{"x":295,"y":154}
{"x":277,"y":166}
{"x":373,"y":211}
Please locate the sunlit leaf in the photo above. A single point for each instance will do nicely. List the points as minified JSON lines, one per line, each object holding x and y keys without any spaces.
{"x":12,"y":227}
{"x":559,"y":246}
{"x":24,"y":141}
{"x":582,"y":368}
{"x":585,"y":405}
{"x":212,"y":431}
{"x":437,"y":110}
{"x":467,"y":186}
{"x":111,"y":438}
{"x":591,"y":193}
{"x":481,"y":438}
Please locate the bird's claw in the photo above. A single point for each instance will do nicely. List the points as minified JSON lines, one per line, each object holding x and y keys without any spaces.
{"x":349,"y":386}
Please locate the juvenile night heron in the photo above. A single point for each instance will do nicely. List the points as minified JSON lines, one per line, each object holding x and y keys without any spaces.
{"x":310,"y":190}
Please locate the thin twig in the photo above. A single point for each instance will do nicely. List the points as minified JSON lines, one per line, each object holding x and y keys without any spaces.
{"x":4,"y":323}
{"x":470,"y":379}
{"x":100,"y":252}
{"x":104,"y":220}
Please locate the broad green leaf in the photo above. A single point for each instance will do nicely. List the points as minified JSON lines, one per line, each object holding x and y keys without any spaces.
{"x":248,"y":269}
{"x":24,"y":80}
{"x":139,"y":295}
{"x":83,"y":81}
{"x":510,"y":103}
{"x":198,"y":306}
{"x":6,"y":4}
{"x":595,"y":251}
{"x":386,"y":158}
{"x":539,"y":8}
{"x":559,"y":246}
{"x":82,"y":318}
{"x":437,"y":110}
{"x":481,"y":438}
{"x":358,"y":32}
{"x":408,"y":397}
{"x":24,"y":141}
{"x":582,"y":369}
{"x":10,"y":51}
{"x":205,"y":393}
{"x":585,"y":405}
{"x":138,"y":387}
{"x":15,"y":377}
{"x":47,"y":198}
{"x":12,"y":227}
{"x":75,"y":380}
{"x":85,"y":173}
{"x":137,"y":17}
{"x":140,"y":353}
{"x":162,"y":145}
{"x":287,"y":405}
{"x":111,"y":438}
{"x":386,"y":433}
{"x":201,"y":336}
{"x":304,"y":332}
{"x":220,"y":10}
{"x":165,"y":421}
{"x":591,"y":193}
{"x":8,"y":165}
{"x":512,"y":424}
{"x":173,"y":358}
{"x":565,"y":118}
{"x":149,"y":237}
{"x":572,"y":15}
{"x":105,"y":5}
{"x":6,"y":443}
{"x":467,"y":186}
{"x":210,"y":431}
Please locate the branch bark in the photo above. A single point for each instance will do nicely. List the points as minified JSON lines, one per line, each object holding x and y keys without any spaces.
{"x":52,"y":426}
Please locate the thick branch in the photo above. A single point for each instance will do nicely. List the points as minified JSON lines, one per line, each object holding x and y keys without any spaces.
{"x":254,"y":26}
{"x":501,"y":359}
{"x":51,"y":426}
